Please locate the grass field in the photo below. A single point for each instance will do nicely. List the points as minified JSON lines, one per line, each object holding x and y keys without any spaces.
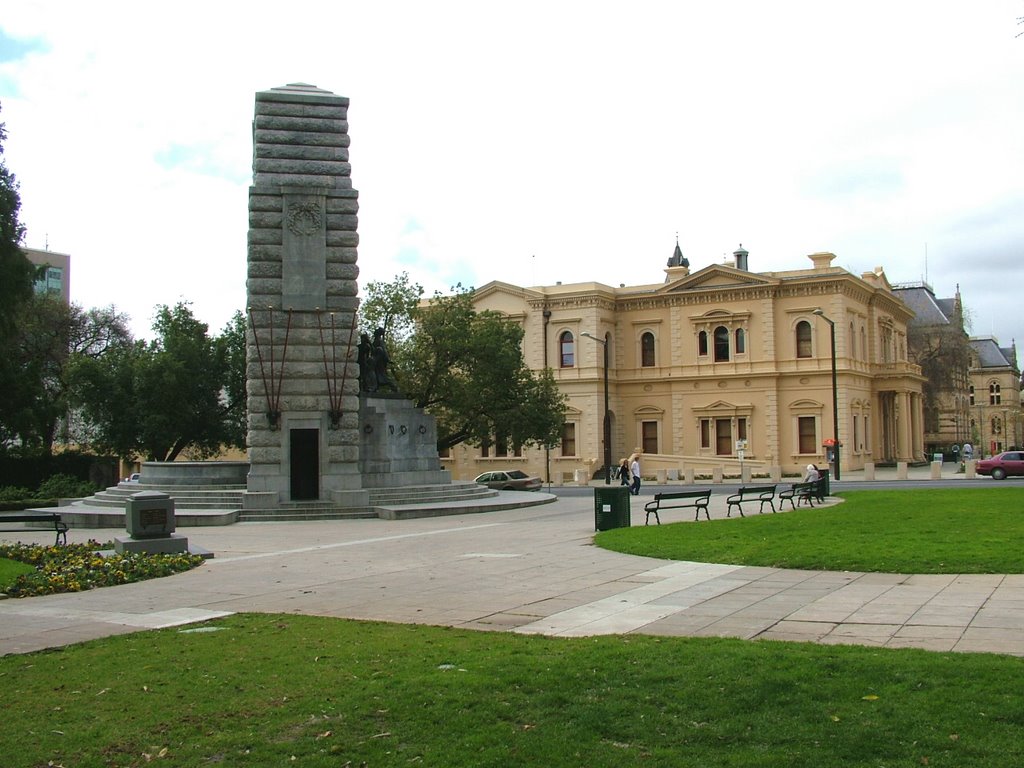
{"x":281,"y":690}
{"x":914,"y":531}
{"x":10,"y":570}
{"x":276,"y":690}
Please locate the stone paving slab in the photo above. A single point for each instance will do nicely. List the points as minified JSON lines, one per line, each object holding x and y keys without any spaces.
{"x":527,"y":571}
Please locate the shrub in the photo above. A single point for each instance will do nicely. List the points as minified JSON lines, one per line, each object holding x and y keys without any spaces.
{"x":64,"y":486}
{"x":14,"y":493}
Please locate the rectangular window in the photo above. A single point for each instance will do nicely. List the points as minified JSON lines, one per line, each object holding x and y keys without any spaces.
{"x":807,"y":426}
{"x":705,"y":433}
{"x":856,"y":434}
{"x":501,"y":446}
{"x":568,"y":439}
{"x":741,"y":429}
{"x":649,"y":432}
{"x":485,"y":449}
{"x":444,"y":453}
{"x":723,"y":437}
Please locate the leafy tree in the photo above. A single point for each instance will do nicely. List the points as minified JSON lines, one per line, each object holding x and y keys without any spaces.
{"x":233,"y":396}
{"x":390,"y":306}
{"x":184,"y":390}
{"x":16,"y":271}
{"x":466,"y":368}
{"x":48,"y":335}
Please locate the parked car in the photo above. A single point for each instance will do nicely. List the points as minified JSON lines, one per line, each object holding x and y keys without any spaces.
{"x":1001,"y":466}
{"x":510,"y":480}
{"x":132,"y":478}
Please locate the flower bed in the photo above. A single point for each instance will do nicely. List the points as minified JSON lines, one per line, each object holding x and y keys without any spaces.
{"x":78,"y":567}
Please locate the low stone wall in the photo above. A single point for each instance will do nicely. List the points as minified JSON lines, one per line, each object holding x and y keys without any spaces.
{"x":194,"y":473}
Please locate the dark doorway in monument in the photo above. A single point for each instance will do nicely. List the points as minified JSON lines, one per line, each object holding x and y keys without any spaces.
{"x":305,"y":464}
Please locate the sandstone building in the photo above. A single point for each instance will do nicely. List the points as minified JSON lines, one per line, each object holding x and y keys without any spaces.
{"x":714,"y":362}
{"x":994,"y":397}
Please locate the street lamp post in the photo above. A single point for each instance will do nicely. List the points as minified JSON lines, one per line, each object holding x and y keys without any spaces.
{"x":835,"y":389}
{"x":607,"y":412}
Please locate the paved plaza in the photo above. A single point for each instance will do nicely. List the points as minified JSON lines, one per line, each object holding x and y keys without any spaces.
{"x":533,"y":571}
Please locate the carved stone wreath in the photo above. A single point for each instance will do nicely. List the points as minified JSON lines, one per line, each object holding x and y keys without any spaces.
{"x":304,"y":218}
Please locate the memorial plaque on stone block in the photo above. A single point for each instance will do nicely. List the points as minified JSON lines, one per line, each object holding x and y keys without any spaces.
{"x":149,"y":514}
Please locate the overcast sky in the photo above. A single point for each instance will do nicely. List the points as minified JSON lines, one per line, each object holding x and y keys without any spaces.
{"x":531,"y":142}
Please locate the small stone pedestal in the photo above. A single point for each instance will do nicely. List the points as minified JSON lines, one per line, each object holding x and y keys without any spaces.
{"x":149,"y":517}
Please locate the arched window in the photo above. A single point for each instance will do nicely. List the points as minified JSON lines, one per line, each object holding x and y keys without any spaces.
{"x":863,"y":344}
{"x":853,"y":343}
{"x":567,"y":350}
{"x":970,"y":395}
{"x":721,"y":344}
{"x":647,"y":349}
{"x":702,"y":343}
{"x":994,"y":395}
{"x":741,"y":341}
{"x":803,"y":339}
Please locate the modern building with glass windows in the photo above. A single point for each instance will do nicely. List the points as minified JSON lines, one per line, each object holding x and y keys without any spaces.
{"x":56,"y":277}
{"x":717,"y":367}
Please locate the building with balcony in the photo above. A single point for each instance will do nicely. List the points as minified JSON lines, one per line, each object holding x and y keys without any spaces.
{"x":717,"y":367}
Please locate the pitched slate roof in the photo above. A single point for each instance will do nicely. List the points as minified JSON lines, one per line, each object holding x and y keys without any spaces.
{"x":991,"y":355}
{"x":927,"y":309}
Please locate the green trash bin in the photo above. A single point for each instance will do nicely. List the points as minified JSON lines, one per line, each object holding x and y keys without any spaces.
{"x":824,"y":484}
{"x":611,"y":507}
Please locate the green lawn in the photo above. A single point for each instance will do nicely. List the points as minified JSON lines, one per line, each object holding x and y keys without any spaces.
{"x":10,"y":570}
{"x":920,"y":531}
{"x":281,"y":690}
{"x":277,"y":690}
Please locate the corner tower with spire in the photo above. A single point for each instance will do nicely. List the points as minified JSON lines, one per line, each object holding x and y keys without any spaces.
{"x":678,"y":265}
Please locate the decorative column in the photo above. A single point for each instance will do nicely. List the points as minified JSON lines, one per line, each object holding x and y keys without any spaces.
{"x":302,"y":369}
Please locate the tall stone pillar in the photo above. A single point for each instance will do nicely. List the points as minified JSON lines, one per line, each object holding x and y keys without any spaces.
{"x":301,"y":367}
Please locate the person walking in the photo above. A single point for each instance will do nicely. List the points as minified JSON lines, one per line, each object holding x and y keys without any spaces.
{"x":634,"y":470}
{"x":625,"y":476}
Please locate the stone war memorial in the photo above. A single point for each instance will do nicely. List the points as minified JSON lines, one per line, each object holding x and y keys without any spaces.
{"x":329,"y":433}
{"x":311,"y":438}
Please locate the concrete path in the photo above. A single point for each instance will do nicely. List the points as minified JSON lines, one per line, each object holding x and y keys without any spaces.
{"x":532,"y":571}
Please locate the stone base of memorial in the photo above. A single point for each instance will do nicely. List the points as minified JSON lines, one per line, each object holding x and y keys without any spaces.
{"x":149,"y":518}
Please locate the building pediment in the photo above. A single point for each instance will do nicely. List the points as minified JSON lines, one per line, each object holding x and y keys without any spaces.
{"x":722,"y":408}
{"x":719,"y":276}
{"x":496,"y":287}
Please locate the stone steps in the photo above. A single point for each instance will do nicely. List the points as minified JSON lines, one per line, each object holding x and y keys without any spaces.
{"x":422,"y":494}
{"x":224,"y":505}
{"x":299,"y":512}
{"x":191,"y":497}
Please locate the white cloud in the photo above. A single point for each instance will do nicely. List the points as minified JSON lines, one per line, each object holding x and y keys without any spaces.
{"x":530,"y":142}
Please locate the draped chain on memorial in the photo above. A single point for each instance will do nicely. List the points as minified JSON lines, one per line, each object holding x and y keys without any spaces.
{"x":271,"y":385}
